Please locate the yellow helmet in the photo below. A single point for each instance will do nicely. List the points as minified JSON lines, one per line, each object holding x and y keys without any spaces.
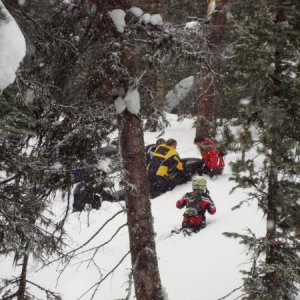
{"x":199,"y":183}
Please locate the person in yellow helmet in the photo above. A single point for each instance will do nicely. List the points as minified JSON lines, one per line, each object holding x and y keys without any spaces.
{"x":196,"y":203}
{"x":165,"y":169}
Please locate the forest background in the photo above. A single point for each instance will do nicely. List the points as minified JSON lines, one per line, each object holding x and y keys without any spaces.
{"x":83,"y":57}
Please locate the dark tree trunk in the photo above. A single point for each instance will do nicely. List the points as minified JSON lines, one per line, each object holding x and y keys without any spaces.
{"x":272,"y":279}
{"x":210,"y":75}
{"x":22,"y":282}
{"x":140,"y":223}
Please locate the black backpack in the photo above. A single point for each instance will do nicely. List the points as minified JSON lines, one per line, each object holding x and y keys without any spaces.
{"x":193,"y":203}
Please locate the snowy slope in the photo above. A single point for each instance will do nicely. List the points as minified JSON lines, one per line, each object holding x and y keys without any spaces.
{"x":204,"y":266}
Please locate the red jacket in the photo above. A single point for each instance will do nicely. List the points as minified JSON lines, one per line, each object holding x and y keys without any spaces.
{"x":195,"y":215}
{"x":212,"y":157}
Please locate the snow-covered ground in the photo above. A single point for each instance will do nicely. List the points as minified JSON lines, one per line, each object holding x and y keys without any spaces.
{"x":203,"y":266}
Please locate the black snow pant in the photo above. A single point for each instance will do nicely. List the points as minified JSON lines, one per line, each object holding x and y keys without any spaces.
{"x":84,"y":194}
{"x":193,"y":166}
{"x":159,"y":185}
{"x":212,"y":172}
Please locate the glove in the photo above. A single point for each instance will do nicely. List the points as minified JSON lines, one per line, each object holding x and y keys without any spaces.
{"x":180,"y":203}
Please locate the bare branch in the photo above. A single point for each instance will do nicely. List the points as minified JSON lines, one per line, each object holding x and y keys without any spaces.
{"x":72,"y":252}
{"x":230,"y":293}
{"x":97,"y":284}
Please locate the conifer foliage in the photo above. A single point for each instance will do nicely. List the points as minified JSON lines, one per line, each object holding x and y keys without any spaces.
{"x":265,"y":66}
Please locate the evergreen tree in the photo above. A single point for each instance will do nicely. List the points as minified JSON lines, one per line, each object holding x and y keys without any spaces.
{"x":26,"y":226}
{"x":265,"y":66}
{"x":73,"y":76}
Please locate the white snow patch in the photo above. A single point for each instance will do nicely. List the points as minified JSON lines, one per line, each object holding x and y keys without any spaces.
{"x":59,"y":121}
{"x":145,"y":19}
{"x":118,"y":17}
{"x":132,"y":100}
{"x":57,"y":166}
{"x":104,"y":165}
{"x":12,"y":45}
{"x":136,"y":11}
{"x":29,"y":96}
{"x":245,"y":101}
{"x":191,"y":24}
{"x":156,"y":20}
{"x":120,"y":105}
{"x":175,"y":96}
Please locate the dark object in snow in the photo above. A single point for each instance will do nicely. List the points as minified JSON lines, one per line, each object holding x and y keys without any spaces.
{"x":91,"y":188}
{"x":86,"y":193}
{"x":85,"y":171}
{"x":184,"y":231}
{"x":109,"y":150}
{"x":193,"y":166}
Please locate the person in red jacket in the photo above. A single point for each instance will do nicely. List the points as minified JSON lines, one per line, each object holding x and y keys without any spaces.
{"x":212,"y":157}
{"x":196,"y":204}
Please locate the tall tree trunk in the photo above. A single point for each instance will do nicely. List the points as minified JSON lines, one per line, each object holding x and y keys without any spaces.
{"x":22,"y":282}
{"x":140,"y":223}
{"x":210,"y":72}
{"x":273,"y":280}
{"x":159,"y":87}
